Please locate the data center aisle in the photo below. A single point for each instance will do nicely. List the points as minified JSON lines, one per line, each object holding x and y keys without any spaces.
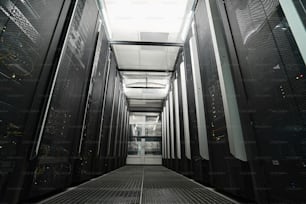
{"x":140,"y":184}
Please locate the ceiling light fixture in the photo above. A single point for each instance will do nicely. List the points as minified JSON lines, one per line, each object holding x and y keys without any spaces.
{"x":160,"y":20}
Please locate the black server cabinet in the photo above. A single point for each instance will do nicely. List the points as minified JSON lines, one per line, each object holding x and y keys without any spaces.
{"x":93,"y":114}
{"x":29,"y":36}
{"x":118,"y":131}
{"x":122,"y":151}
{"x":174,"y":161}
{"x":121,"y":135}
{"x":56,"y":149}
{"x":168,"y":156}
{"x":272,"y":72}
{"x":179,"y":116}
{"x":126,"y":136}
{"x":113,"y":124}
{"x":102,"y":160}
{"x":116,"y":126}
{"x":185,"y":166}
{"x":200,"y":166}
{"x":227,"y":173}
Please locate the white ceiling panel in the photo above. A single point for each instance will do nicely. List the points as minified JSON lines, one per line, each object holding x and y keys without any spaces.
{"x":146,"y":57}
{"x":127,"y":20}
{"x":146,"y":93}
{"x":164,"y":21}
{"x":145,"y":79}
{"x":151,"y":58}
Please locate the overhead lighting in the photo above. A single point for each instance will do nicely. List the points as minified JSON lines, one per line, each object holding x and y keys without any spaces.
{"x":186,"y":27}
{"x":129,"y":18}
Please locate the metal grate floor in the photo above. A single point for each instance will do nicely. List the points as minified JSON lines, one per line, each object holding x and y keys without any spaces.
{"x":140,"y":184}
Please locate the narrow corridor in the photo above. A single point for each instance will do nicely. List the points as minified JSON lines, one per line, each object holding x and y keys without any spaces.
{"x":152,"y":101}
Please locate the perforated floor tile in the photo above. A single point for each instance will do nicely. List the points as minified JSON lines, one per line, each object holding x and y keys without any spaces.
{"x":140,"y":184}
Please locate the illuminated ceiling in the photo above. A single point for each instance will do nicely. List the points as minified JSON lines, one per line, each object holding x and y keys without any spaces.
{"x":147,"y":20}
{"x":146,"y":69}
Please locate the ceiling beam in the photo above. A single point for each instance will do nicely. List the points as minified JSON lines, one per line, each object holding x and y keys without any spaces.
{"x":144,"y":87}
{"x":145,"y":70}
{"x":146,"y":43}
{"x":146,"y":99}
{"x":146,"y":110}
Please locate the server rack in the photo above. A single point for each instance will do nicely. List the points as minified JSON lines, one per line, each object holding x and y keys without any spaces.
{"x":89,"y":140}
{"x":229,"y":172}
{"x":171,"y":132}
{"x":167,"y":132}
{"x":113,"y":124}
{"x":177,"y":126}
{"x":174,"y":155}
{"x":103,"y":165}
{"x":185,"y":166}
{"x":126,"y":135}
{"x":166,"y":135}
{"x":163,"y":137}
{"x":117,"y":127}
{"x":121,"y":134}
{"x":199,"y":164}
{"x":30,"y":33}
{"x":178,"y":116}
{"x":120,"y":159}
{"x":272,"y":72}
{"x":61,"y":126}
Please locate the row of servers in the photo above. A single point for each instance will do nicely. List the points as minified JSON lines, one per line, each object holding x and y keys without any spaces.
{"x":234,"y":118}
{"x":64,"y":116}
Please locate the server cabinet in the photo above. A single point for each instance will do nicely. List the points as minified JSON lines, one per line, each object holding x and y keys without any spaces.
{"x":272,"y":72}
{"x":171,"y":133}
{"x":102,"y":151}
{"x":163,"y":137}
{"x":179,"y":114}
{"x":89,"y":141}
{"x":30,"y":33}
{"x":113,"y":123}
{"x":229,"y":172}
{"x":118,"y":133}
{"x":177,"y":126}
{"x":123,"y":137}
{"x":122,"y":134}
{"x":59,"y":136}
{"x":167,"y":133}
{"x":173,"y":161}
{"x":126,"y":135}
{"x":185,"y":162}
{"x":200,"y":165}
